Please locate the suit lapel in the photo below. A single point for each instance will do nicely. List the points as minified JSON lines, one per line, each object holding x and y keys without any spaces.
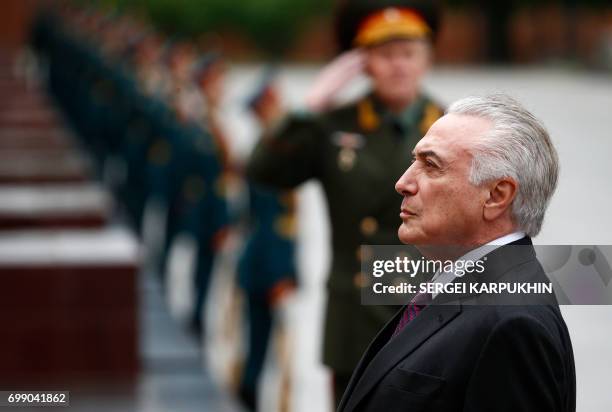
{"x":386,"y":354}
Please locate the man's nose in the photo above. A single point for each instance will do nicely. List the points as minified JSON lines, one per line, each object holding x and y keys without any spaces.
{"x":406,"y":185}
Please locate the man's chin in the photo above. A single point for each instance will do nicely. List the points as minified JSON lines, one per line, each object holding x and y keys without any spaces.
{"x":407,"y":235}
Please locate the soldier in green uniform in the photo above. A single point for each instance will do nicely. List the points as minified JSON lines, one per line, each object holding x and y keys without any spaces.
{"x":266,"y":269}
{"x":357,"y":151}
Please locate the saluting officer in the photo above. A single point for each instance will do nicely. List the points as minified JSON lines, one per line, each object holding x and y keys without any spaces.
{"x":357,"y":151}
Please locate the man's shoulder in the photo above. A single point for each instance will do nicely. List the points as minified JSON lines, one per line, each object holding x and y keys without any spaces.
{"x":346,"y":111}
{"x":339,"y":111}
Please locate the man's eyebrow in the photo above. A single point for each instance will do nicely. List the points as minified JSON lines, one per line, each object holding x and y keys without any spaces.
{"x":428,"y":153}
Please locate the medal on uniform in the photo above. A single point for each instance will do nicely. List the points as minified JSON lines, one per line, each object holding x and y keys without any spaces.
{"x":346,"y":159}
{"x":349,"y":143}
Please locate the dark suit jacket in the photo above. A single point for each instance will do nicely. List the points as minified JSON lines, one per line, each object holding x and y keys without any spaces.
{"x":465,"y":357}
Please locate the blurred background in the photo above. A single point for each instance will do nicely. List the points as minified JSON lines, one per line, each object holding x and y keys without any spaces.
{"x":129,"y":234}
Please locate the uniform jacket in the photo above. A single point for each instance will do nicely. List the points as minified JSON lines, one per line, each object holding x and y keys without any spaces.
{"x":357,"y":152}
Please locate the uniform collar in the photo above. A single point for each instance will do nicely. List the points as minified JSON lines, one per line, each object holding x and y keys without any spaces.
{"x":407,"y":120}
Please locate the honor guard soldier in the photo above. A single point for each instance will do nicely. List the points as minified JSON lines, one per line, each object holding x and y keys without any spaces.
{"x":266,"y":270}
{"x":357,"y":151}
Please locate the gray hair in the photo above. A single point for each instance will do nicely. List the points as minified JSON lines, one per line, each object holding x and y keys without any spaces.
{"x":517,"y":146}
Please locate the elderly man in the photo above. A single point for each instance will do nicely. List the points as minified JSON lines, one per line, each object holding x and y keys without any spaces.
{"x":482,"y":175}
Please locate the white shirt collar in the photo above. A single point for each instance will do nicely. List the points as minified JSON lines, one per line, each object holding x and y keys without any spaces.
{"x":487,"y":248}
{"x":509,"y":238}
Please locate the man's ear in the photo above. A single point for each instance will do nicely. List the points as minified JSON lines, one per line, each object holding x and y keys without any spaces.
{"x":501,"y":194}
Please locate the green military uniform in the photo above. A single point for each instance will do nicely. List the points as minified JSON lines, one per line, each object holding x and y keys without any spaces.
{"x":357,"y":152}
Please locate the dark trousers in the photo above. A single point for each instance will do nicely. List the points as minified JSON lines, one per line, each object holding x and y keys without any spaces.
{"x":259,"y":314}
{"x":201,"y":283}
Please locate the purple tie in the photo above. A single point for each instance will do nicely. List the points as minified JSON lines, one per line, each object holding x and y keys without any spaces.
{"x":416,"y":305}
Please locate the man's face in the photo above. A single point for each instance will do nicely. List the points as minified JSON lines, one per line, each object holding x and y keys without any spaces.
{"x":212,"y":82}
{"x":397,"y":67}
{"x":181,"y":60}
{"x":440,"y":205}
